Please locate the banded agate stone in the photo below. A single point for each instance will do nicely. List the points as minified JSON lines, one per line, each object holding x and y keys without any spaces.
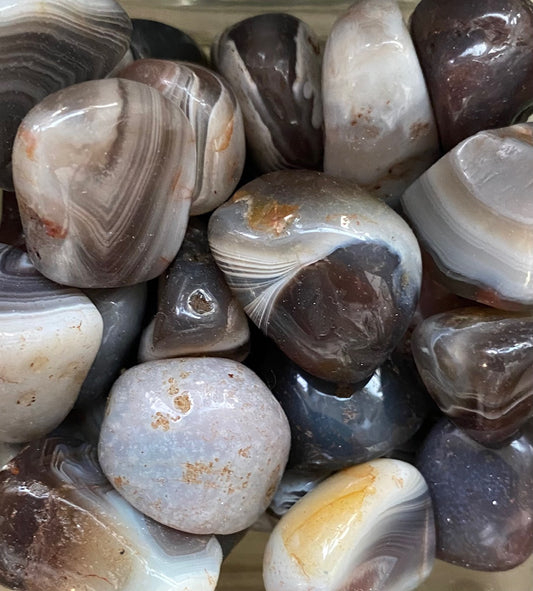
{"x":46,"y":45}
{"x":196,"y":313}
{"x":483,"y":498}
{"x":367,"y":527}
{"x":477,"y":363}
{"x":272,"y":62}
{"x":49,"y":337}
{"x":330,"y":273}
{"x":104,"y":172}
{"x":473,"y":214}
{"x":379,"y":124}
{"x":477,"y":58}
{"x":198,"y":444}
{"x":214,"y":113}
{"x":64,"y":527}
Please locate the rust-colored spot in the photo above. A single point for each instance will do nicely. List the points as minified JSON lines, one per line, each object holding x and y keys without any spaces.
{"x":245,"y":451}
{"x":272,"y":217}
{"x":418,"y":129}
{"x":230,"y":375}
{"x":184,"y":374}
{"x":160,"y":421}
{"x":39,"y":362}
{"x":183,"y":403}
{"x":240,"y":195}
{"x":193,"y":472}
{"x":14,"y":470}
{"x":119,"y":482}
{"x":172,"y":389}
{"x":30,"y":141}
{"x":222,"y":142}
{"x":53,"y":229}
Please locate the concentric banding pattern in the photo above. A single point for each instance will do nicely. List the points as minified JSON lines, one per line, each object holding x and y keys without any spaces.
{"x":49,"y":337}
{"x":104,"y":173}
{"x":45,"y":46}
{"x":215,"y":115}
{"x":473,"y":213}
{"x":367,"y":527}
{"x":272,"y":62}
{"x":330,"y":273}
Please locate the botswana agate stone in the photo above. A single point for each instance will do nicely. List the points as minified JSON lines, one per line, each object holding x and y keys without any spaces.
{"x":330,"y":273}
{"x":122,"y":311}
{"x":473,"y":214}
{"x":215,"y":116}
{"x":367,"y":527}
{"x":197,"y":313}
{"x":477,"y":363}
{"x":379,"y":125}
{"x":477,"y":58}
{"x":272,"y":62}
{"x":151,"y":39}
{"x":49,"y":337}
{"x":46,"y":45}
{"x":483,"y":498}
{"x":197,"y":444}
{"x":104,"y":173}
{"x":64,"y":527}
{"x":335,"y":426}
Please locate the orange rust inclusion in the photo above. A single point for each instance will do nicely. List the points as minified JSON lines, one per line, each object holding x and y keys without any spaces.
{"x":271,"y":216}
{"x":30,"y":141}
{"x":315,"y":533}
{"x":53,"y":230}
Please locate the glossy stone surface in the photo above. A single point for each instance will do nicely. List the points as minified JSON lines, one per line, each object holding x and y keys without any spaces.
{"x":477,"y":58}
{"x":215,"y":115}
{"x":330,"y":273}
{"x":483,"y":498}
{"x":122,"y":311}
{"x":294,"y":485}
{"x":161,"y":41}
{"x":49,"y":337}
{"x":197,"y":313}
{"x":272,"y":62}
{"x":473,"y":215}
{"x":47,"y":45}
{"x":64,"y":527}
{"x":336,"y":426}
{"x":477,"y":363}
{"x":197,"y":444}
{"x":367,"y":527}
{"x":379,"y":124}
{"x":104,"y":172}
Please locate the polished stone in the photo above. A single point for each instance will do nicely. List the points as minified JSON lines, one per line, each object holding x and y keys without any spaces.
{"x":272,"y":62}
{"x":104,"y":173}
{"x":327,"y":271}
{"x":197,"y":444}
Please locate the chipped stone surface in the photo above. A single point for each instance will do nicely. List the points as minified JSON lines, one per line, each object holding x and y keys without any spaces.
{"x":197,"y":444}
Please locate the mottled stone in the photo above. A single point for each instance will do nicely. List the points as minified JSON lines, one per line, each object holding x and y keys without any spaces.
{"x":197,"y":313}
{"x":334,"y":426}
{"x":215,"y":115}
{"x":64,"y":527}
{"x":330,"y":273}
{"x":161,"y":41}
{"x":477,"y":58}
{"x":472,"y":212}
{"x":197,"y":444}
{"x":367,"y":527}
{"x":379,"y":124}
{"x":483,"y":498}
{"x":49,"y":337}
{"x":477,"y":363}
{"x":104,"y":172}
{"x":122,"y":311}
{"x":272,"y":62}
{"x":46,"y":45}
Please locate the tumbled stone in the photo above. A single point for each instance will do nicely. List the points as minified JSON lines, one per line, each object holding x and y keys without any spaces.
{"x":64,"y":527}
{"x":379,"y":124}
{"x":483,"y":498}
{"x":477,"y":58}
{"x":367,"y":527}
{"x":327,"y":271}
{"x":49,"y":337}
{"x":197,"y":444}
{"x":472,"y":212}
{"x":104,"y":172}
{"x":272,"y":62}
